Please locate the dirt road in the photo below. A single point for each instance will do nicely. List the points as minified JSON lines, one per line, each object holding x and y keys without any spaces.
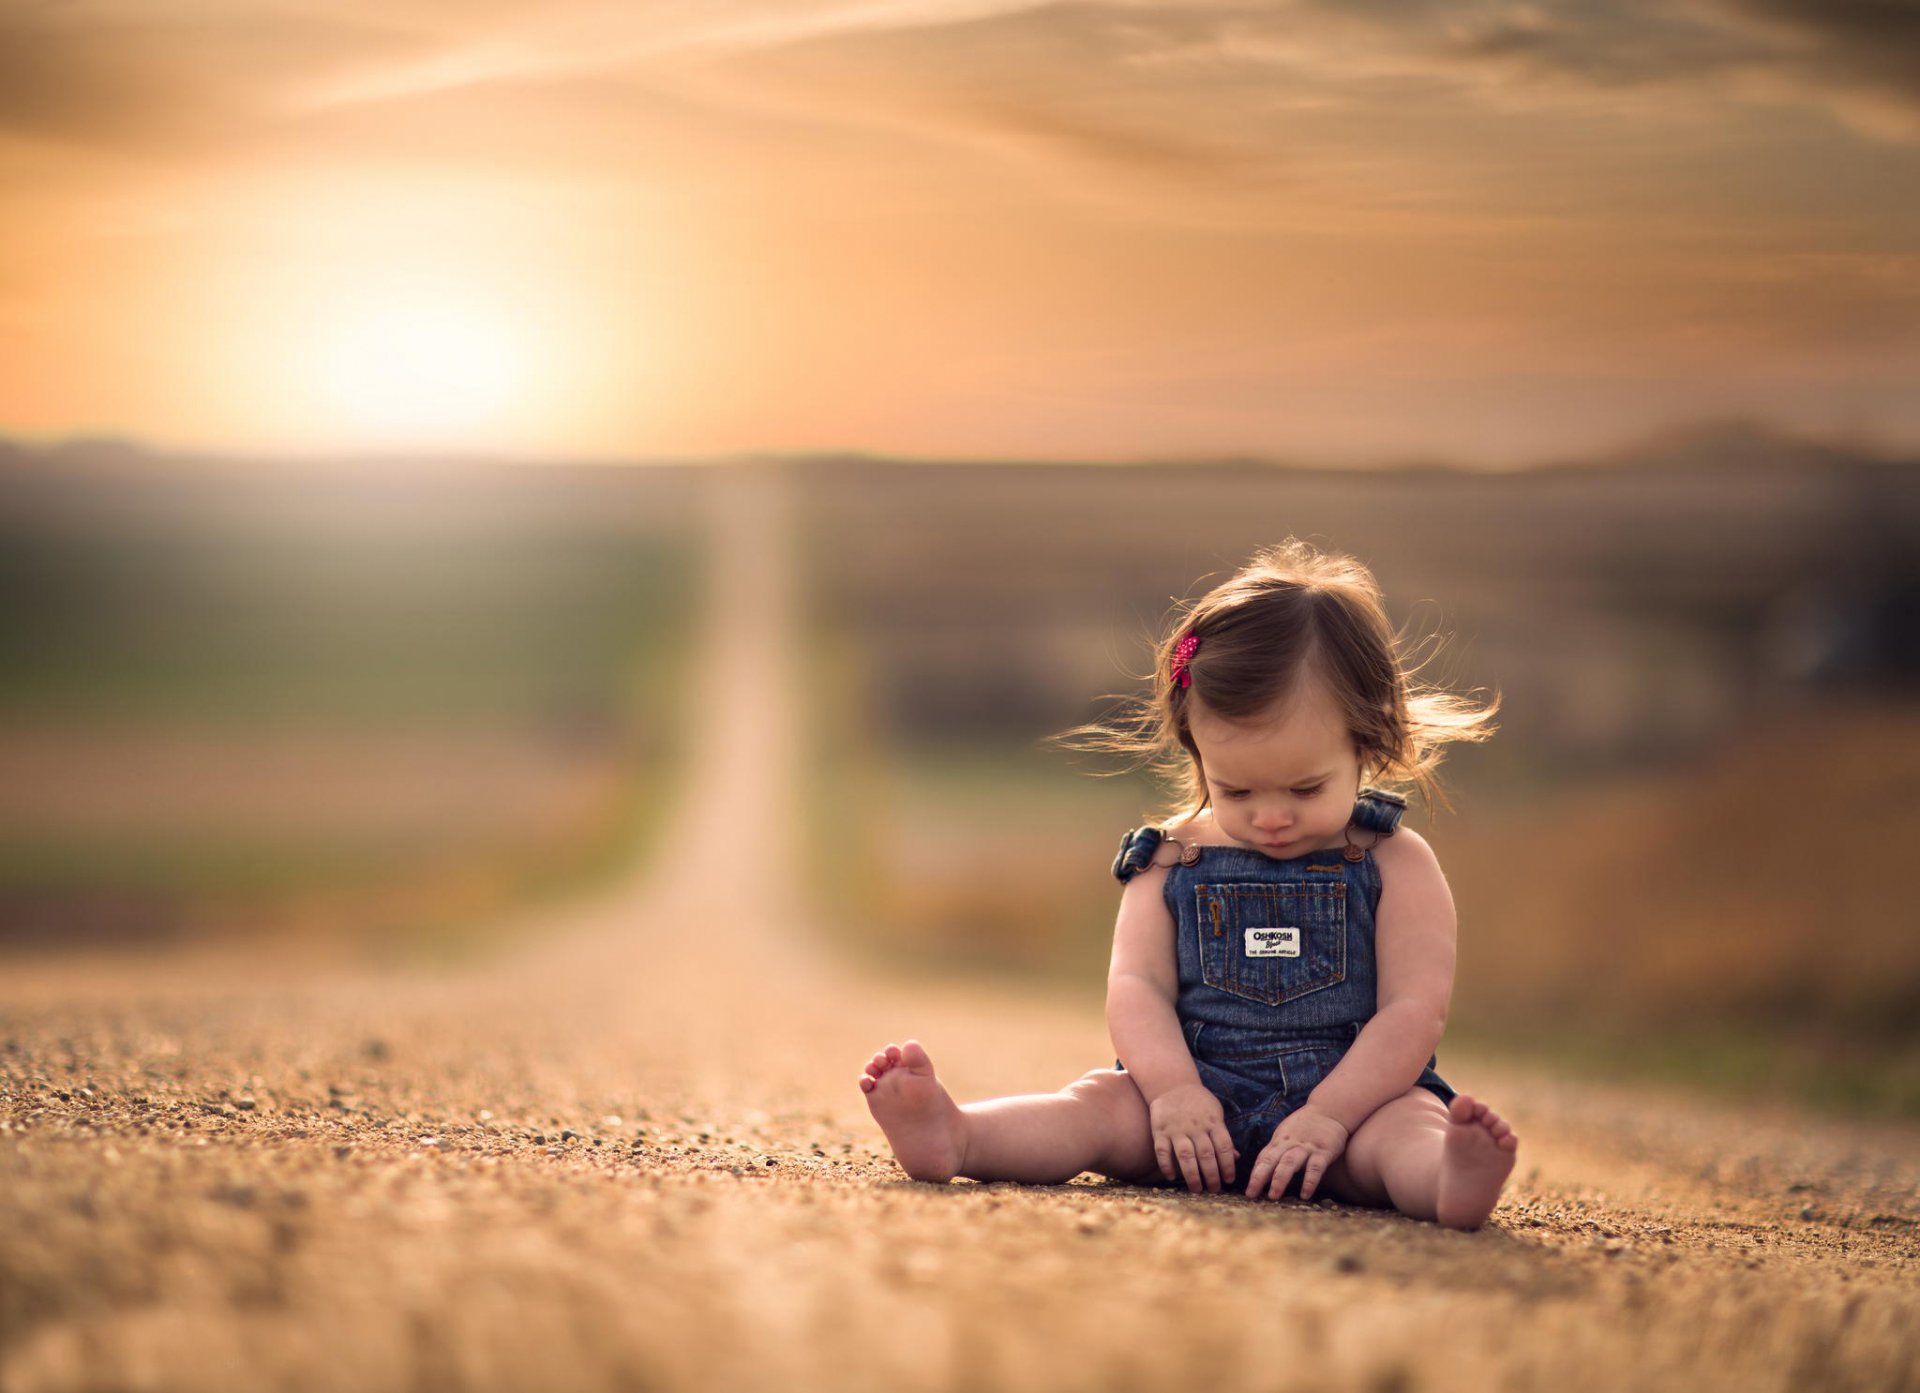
{"x":635,"y":1157}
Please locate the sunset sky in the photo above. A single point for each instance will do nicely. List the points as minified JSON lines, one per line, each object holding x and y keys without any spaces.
{"x":1493,"y":232}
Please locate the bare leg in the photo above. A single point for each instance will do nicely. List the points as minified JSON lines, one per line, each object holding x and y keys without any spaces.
{"x":1040,"y":1138}
{"x":1428,"y":1160}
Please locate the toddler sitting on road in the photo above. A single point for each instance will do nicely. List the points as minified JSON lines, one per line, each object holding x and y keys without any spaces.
{"x":1284,"y":953}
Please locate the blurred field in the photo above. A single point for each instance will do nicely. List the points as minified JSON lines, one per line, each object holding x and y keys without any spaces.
{"x":1681,"y":855}
{"x":365,"y":704}
{"x":355,"y":705}
{"x":1713,"y":920}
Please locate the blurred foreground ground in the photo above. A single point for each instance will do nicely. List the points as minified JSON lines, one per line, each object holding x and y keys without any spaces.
{"x":633,"y":1155}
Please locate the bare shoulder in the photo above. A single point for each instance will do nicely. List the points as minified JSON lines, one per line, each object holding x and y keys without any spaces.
{"x":1405,"y":853}
{"x":1143,"y":932}
{"x":1414,"y":933}
{"x":1146,"y":885}
{"x":1143,"y":898}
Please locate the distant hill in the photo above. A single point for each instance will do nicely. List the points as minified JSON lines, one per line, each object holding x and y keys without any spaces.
{"x":1736,"y":443}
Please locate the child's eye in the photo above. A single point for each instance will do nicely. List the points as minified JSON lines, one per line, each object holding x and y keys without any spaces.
{"x":1308,"y":792}
{"x":1235,"y":793}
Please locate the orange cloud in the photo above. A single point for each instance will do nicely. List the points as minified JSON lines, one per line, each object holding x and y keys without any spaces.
{"x":973,"y":225}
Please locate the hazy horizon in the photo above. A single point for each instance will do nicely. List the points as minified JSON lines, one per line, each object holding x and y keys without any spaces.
{"x":1720,"y":438}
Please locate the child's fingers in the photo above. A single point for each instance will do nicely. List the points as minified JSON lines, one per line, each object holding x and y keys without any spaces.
{"x":1287,"y":1163}
{"x":1182,"y":1161}
{"x":1196,"y":1159}
{"x":1228,"y":1153}
{"x":1206,"y":1166}
{"x":1218,"y":1161}
{"x":1198,"y":1163}
{"x":1316,"y":1167}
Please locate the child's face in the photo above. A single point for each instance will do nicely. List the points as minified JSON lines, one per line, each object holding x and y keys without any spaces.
{"x":1284,"y":785}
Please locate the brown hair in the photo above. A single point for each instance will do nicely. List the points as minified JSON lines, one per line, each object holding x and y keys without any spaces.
{"x":1289,"y":612}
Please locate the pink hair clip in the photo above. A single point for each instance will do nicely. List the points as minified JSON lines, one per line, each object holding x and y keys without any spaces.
{"x":1183,"y":652}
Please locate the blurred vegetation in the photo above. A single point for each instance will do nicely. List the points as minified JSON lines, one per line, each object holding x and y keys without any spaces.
{"x":252,"y":699}
{"x":1679,"y":857}
{"x":247,"y":697}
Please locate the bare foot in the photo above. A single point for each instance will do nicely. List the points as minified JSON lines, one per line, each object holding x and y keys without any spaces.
{"x":924,"y":1126}
{"x":1475,"y":1164}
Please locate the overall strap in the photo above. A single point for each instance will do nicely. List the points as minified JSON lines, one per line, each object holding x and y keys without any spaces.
{"x":1376,"y":810}
{"x":1136,"y":852}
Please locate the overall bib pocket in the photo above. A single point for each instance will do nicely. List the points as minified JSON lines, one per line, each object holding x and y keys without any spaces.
{"x":1272,"y":942}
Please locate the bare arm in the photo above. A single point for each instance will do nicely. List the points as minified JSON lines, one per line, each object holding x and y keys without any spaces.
{"x":1190,"y":1137}
{"x":1142,"y":983}
{"x":1414,"y":958}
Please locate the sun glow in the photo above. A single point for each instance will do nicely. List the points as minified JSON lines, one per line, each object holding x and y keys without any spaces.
{"x":417,"y":370}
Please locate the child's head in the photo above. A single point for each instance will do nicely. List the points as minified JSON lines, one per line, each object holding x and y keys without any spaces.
{"x":1296,"y":637}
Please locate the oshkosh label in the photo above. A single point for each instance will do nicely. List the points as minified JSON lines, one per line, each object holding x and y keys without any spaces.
{"x":1273,"y":943}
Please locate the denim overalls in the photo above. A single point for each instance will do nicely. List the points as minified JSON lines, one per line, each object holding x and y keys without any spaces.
{"x":1276,"y":966}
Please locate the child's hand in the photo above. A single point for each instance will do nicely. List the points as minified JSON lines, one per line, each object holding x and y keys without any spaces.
{"x":1305,"y":1137}
{"x":1190,"y":1133}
